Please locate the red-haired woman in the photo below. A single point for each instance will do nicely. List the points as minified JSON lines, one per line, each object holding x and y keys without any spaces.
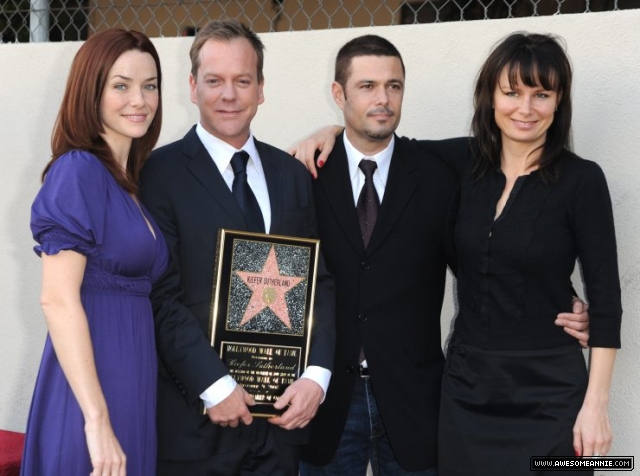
{"x":93,"y":409}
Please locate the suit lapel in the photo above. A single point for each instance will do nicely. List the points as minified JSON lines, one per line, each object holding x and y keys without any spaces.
{"x":272,"y":174}
{"x":336,"y":184}
{"x":401,"y":184}
{"x":204,"y":169}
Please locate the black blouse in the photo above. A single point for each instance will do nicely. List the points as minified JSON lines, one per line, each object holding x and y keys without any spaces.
{"x":514,"y":272}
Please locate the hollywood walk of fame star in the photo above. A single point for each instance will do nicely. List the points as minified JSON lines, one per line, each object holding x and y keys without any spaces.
{"x":269,"y":288}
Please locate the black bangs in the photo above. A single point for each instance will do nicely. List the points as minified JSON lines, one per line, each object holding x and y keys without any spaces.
{"x":532,"y":60}
{"x":532,"y":72}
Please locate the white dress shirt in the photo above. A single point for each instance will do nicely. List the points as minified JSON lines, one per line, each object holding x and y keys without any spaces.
{"x":382,"y":158}
{"x":221,"y":153}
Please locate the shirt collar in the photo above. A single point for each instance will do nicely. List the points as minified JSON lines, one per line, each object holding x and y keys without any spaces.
{"x":221,"y":152}
{"x":382,"y":158}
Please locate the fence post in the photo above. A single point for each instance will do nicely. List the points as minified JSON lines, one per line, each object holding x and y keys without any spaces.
{"x":39,"y":21}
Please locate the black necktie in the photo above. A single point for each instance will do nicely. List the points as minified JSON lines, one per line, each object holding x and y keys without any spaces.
{"x":243,"y":193}
{"x":368,"y":202}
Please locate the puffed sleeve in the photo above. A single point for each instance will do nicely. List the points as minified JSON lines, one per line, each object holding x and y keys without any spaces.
{"x":70,"y":209}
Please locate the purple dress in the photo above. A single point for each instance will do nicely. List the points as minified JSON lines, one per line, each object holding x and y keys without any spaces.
{"x":81,"y":207}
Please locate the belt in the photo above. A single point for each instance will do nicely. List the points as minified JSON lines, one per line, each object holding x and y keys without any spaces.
{"x":364,"y":372}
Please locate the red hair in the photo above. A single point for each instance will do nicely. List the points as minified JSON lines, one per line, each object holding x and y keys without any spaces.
{"x":79,"y":124}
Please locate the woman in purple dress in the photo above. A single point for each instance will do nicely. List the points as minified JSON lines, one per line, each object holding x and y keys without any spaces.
{"x":93,"y":410}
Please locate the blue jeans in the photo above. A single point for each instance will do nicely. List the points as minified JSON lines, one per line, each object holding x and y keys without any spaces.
{"x":363,"y":441}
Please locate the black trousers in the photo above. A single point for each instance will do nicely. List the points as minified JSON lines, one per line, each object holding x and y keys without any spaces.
{"x":254,"y":450}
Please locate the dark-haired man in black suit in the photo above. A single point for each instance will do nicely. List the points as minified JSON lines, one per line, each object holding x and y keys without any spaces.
{"x":382,"y":403}
{"x":188,"y":186}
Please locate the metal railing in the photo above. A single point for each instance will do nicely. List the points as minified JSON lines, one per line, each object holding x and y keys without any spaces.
{"x":65,"y":20}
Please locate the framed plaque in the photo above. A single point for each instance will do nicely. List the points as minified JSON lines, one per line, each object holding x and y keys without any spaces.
{"x":262,"y":311}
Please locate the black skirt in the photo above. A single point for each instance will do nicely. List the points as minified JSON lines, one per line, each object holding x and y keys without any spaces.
{"x":500,"y":408}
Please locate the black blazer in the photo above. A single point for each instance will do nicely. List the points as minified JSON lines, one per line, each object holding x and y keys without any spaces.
{"x":187,"y":196}
{"x":388,"y":299}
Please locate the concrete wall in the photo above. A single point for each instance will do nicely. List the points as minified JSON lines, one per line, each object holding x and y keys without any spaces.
{"x":441,"y":61}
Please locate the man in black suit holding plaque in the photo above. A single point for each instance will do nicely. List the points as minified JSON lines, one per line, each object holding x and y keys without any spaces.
{"x":220,"y":176}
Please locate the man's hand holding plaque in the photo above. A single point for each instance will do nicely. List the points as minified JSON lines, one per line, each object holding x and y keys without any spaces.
{"x":233,"y":409}
{"x":303,"y":397}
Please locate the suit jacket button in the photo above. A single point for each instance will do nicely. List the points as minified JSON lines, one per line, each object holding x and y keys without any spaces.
{"x":350,"y":369}
{"x":362,"y":317}
{"x":365,"y":265}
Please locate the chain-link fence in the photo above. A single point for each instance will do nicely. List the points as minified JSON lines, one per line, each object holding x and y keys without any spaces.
{"x":65,"y":20}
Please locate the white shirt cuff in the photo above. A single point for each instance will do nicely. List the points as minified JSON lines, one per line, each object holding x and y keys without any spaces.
{"x":223,"y":387}
{"x":217,"y":392}
{"x":319,"y":375}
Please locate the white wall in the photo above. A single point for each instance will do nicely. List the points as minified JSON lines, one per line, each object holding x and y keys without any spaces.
{"x":441,"y":62}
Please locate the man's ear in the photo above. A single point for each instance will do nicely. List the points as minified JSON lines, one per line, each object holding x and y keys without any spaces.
{"x":338,"y":94}
{"x":261,"y":91}
{"x":192,"y":89}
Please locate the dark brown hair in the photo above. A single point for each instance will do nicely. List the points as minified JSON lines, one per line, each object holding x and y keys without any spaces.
{"x":79,"y":123}
{"x":225,"y":30}
{"x":533,"y":59}
{"x":366,"y":45}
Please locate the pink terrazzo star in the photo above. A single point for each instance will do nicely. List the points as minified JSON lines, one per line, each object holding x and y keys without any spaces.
{"x":269,"y":288}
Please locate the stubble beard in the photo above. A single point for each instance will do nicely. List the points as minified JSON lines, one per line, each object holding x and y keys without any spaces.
{"x":380,"y":134}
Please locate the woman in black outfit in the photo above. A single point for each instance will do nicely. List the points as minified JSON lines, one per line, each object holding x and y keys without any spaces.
{"x":516,"y":385}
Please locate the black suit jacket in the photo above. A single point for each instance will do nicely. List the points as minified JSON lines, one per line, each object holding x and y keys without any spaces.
{"x":187,"y":196}
{"x":388,"y":299}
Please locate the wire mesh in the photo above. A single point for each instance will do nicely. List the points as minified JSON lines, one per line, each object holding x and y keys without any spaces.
{"x":68,"y":20}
